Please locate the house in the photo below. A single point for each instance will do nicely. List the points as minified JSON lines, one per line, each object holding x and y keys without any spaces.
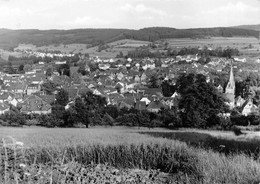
{"x":156,"y":92}
{"x":32,"y":88}
{"x":239,"y":101}
{"x":6,"y":97}
{"x":137,"y":79}
{"x":14,"y":102}
{"x":35,"y":105}
{"x":47,"y":98}
{"x":143,"y":77}
{"x":126,"y":103}
{"x":120,"y":87}
{"x":155,"y":106}
{"x":37,"y":78}
{"x":7,"y":79}
{"x":220,"y":89}
{"x":248,"y":107}
{"x":103,"y":66}
{"x":243,"y":60}
{"x":4,"y":108}
{"x":139,"y":105}
{"x":168,"y":102}
{"x":120,"y":76}
{"x":145,"y":100}
{"x":18,"y":87}
{"x":115,"y":98}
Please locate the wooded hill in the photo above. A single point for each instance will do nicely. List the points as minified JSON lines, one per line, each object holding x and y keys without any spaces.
{"x":11,"y":38}
{"x":249,"y":27}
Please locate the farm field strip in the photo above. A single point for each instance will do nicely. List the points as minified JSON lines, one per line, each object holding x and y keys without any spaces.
{"x":123,"y":147}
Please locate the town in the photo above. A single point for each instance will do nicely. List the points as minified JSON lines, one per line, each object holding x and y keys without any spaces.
{"x":141,"y":85}
{"x":129,"y":92}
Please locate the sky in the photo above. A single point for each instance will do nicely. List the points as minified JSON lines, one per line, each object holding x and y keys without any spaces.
{"x":130,"y":14}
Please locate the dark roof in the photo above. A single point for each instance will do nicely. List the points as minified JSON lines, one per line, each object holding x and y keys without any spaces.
{"x":155,"y":105}
{"x":154,"y":91}
{"x":140,"y":105}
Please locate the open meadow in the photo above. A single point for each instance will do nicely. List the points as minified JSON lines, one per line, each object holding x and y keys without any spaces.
{"x":111,"y":51}
{"x":117,"y":155}
{"x":236,"y":42}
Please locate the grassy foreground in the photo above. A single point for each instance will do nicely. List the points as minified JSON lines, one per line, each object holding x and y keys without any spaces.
{"x":59,"y":153}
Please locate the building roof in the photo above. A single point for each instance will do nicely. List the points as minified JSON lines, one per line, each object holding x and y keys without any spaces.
{"x":139,"y":105}
{"x":155,"y":105}
{"x":34,"y":103}
{"x":4,"y":106}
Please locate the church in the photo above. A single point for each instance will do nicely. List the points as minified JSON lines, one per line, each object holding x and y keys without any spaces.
{"x":230,"y":89}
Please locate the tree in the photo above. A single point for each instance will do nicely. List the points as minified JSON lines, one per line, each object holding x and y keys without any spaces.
{"x":27,"y":67}
{"x":154,"y":81}
{"x":81,"y":112}
{"x":64,"y":69}
{"x":167,"y":89}
{"x":58,"y":110}
{"x":108,"y":120}
{"x":199,"y":100}
{"x":49,"y":87}
{"x":120,"y":55}
{"x":62,"y":97}
{"x":112,"y":110}
{"x":82,"y":70}
{"x":20,"y":69}
{"x":10,"y":69}
{"x":170,"y":117}
{"x":93,"y":66}
{"x":49,"y":71}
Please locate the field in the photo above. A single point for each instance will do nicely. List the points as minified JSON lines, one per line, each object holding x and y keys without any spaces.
{"x":118,"y":155}
{"x":238,"y":42}
{"x":113,"y":49}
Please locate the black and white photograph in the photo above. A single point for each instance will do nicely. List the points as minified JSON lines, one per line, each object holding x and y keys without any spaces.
{"x":129,"y":91}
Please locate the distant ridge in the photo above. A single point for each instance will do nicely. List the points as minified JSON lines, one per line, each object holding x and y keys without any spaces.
{"x":11,"y":38}
{"x":255,"y":27}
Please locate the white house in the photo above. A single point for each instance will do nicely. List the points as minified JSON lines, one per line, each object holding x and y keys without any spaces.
{"x":248,"y":107}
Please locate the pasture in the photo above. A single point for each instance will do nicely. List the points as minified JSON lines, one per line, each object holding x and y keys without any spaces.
{"x":235,"y":42}
{"x":112,"y":50}
{"x":98,"y":150}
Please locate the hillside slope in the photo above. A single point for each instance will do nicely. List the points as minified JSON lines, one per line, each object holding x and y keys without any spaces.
{"x":11,"y":38}
{"x":249,"y":27}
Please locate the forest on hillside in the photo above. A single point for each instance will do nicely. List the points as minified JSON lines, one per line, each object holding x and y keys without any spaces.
{"x":10,"y":39}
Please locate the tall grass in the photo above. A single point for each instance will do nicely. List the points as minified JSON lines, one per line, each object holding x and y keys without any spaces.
{"x":124,"y":148}
{"x":203,"y":140}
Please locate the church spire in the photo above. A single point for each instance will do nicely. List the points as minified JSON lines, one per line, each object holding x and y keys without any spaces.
{"x":230,"y":89}
{"x":231,"y":77}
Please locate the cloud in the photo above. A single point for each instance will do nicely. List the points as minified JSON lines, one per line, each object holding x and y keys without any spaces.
{"x":231,"y":13}
{"x":87,"y":21}
{"x":15,"y":12}
{"x":141,"y":8}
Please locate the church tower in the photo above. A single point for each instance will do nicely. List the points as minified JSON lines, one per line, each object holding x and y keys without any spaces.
{"x":230,"y":89}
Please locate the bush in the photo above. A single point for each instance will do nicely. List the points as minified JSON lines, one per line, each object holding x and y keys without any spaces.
{"x":108,"y":120}
{"x":50,"y":120}
{"x":254,"y":119}
{"x":225,"y":123}
{"x":32,"y":122}
{"x":128,"y":120}
{"x":239,"y":120}
{"x":237,"y":131}
{"x":13,"y":119}
{"x":156,"y":123}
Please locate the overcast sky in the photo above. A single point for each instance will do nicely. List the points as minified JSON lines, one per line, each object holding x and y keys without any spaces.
{"x":132,"y":14}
